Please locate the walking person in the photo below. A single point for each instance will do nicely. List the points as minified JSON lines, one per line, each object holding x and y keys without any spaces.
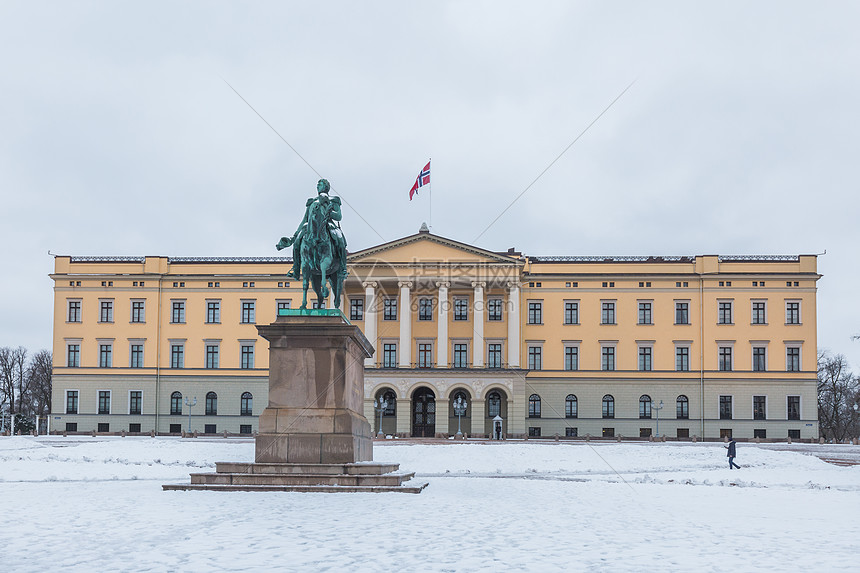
{"x":732,"y":454}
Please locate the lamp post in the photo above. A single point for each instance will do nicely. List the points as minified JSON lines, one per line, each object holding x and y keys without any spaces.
{"x":380,"y":404}
{"x":658,"y":408}
{"x":190,"y":404}
{"x":459,"y":409}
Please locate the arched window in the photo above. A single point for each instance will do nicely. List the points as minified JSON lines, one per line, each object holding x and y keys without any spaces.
{"x":494,"y":404}
{"x":459,"y":394}
{"x":211,"y":404}
{"x":247,"y":404}
{"x":570,"y":406}
{"x":176,"y":403}
{"x":534,"y":406}
{"x":645,"y":407}
{"x":682,"y":410}
{"x":390,"y":399}
{"x":608,"y":406}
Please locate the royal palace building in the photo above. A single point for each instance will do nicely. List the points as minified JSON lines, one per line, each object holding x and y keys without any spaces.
{"x":682,"y":346}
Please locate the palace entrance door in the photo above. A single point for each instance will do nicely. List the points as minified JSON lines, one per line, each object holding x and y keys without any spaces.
{"x":423,"y":413}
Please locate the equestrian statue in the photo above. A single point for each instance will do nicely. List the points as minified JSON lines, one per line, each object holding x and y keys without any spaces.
{"x":319,"y":247}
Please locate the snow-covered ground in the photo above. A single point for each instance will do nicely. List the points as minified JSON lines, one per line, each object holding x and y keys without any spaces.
{"x":96,"y":504}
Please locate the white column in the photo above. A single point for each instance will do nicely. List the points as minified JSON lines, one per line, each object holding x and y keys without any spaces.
{"x":442,"y":334}
{"x":478,"y":330}
{"x":405,"y":350}
{"x":513,"y":326}
{"x":370,"y":318}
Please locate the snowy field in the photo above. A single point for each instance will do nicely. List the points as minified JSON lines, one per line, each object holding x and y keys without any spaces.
{"x":96,"y":504}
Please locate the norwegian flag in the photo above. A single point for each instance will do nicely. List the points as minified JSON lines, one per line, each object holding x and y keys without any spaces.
{"x":422,"y":180}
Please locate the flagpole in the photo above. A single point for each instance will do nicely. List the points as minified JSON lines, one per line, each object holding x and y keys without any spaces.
{"x":430,"y":192}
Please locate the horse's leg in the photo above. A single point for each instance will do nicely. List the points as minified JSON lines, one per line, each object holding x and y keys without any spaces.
{"x":316,"y":282}
{"x":325,"y":262}
{"x":304,"y":290}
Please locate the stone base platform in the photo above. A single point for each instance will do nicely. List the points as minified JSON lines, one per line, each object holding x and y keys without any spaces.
{"x":327,"y":478}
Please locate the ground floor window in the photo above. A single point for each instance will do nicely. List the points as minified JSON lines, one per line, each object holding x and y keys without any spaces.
{"x":608,"y":432}
{"x":683,"y":432}
{"x":644,"y":432}
{"x":571,"y":432}
{"x":73,"y":427}
{"x":103,"y":427}
{"x":209,"y":429}
{"x":760,"y":433}
{"x":175,"y":428}
{"x":726,"y":433}
{"x":245,"y":429}
{"x":134,"y":428}
{"x":794,"y":434}
{"x":534,"y":432}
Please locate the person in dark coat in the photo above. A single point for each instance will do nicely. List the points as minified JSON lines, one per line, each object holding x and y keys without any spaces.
{"x":732,"y":454}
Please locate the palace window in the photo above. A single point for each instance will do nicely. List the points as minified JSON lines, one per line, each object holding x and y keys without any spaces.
{"x":494,"y":309}
{"x":725,"y":407}
{"x":135,"y":402}
{"x":213,"y":311}
{"x":645,"y":313}
{"x":608,"y":406}
{"x":645,"y":407}
{"x":425,"y":355}
{"x":571,"y":358}
{"x":136,"y":356}
{"x":138,"y":313}
{"x":105,"y":355}
{"x":425,"y":308}
{"x":759,"y":359}
{"x":535,"y":314}
{"x":461,"y":355}
{"x":571,"y":312}
{"x":176,"y":404}
{"x":682,"y":408}
{"x":682,"y":313}
{"x":792,"y":312}
{"x":494,"y":404}
{"x":248,"y":312}
{"x":792,"y":359}
{"x":725,"y":358}
{"x":104,"y":401}
{"x":535,"y":357}
{"x":759,"y":403}
{"x":759,"y":314}
{"x":246,"y":404}
{"x":534,"y":406}
{"x":73,"y":355}
{"x":177,"y":355}
{"x":211,"y":404}
{"x":177,"y":315}
{"x":106,"y":311}
{"x":793,"y":407}
{"x":724,"y":315}
{"x":494,"y":355}
{"x":247,"y":356}
{"x":71,"y":401}
{"x":645,"y":358}
{"x":74,"y":311}
{"x":389,"y":355}
{"x":607,"y":358}
{"x":212,"y":355}
{"x":682,"y":358}
{"x":570,"y":406}
{"x":356,"y":309}
{"x":389,"y":309}
{"x":461,"y":308}
{"x":607,"y":313}
{"x":283,"y":305}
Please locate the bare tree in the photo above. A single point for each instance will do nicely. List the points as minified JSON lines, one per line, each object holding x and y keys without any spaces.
{"x":838,"y":391}
{"x":13,"y":379}
{"x":39,"y":376}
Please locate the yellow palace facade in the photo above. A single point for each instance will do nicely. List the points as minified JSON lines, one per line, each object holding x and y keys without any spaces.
{"x":704,"y":346}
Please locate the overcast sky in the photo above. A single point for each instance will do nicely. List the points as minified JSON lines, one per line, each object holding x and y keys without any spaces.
{"x":741,"y":133}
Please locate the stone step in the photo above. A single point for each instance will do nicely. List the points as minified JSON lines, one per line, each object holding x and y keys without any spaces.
{"x":414,"y":488}
{"x":369,"y":468}
{"x":221,"y":478}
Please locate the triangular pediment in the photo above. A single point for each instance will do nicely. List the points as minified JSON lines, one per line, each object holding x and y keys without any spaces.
{"x":426,"y":247}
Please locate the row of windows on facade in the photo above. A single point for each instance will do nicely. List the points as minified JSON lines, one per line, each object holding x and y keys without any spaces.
{"x":135,"y":403}
{"x":134,"y":428}
{"x":388,"y":403}
{"x":212,"y":352}
{"x":682,"y":407}
{"x":572,"y":432}
{"x":177,"y":314}
{"x":725,"y":310}
{"x":181,"y":284}
{"x":572,"y":357}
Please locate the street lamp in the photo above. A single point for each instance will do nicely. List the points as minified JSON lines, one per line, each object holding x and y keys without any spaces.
{"x":459,"y":409}
{"x":658,"y":408}
{"x":380,"y":404}
{"x":190,"y":404}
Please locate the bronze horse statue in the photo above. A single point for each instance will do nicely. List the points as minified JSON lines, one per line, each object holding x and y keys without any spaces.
{"x":319,"y":248}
